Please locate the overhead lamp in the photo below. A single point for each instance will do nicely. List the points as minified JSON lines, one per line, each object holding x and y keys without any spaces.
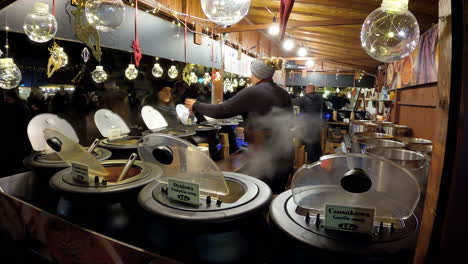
{"x":302,"y":52}
{"x":274,"y":29}
{"x":288,"y":44}
{"x":310,"y":64}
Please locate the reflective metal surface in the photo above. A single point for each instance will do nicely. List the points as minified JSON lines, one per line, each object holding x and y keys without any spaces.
{"x":378,"y":142}
{"x":410,"y":140}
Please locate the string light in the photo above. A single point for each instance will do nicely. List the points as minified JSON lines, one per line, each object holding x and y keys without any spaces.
{"x":302,"y":52}
{"x":310,"y":64}
{"x":274,"y":29}
{"x":288,"y":44}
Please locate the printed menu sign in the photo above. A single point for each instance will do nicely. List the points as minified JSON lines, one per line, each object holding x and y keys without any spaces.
{"x":348,"y":218}
{"x":184,"y":192}
{"x":80,"y":172}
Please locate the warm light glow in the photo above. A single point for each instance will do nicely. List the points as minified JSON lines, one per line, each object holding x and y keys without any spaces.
{"x":302,"y":52}
{"x":288,"y":44}
{"x":310,"y":64}
{"x":274,"y":29}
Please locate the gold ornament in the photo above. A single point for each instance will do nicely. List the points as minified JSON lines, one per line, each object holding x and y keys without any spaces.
{"x":86,"y":32}
{"x":58,"y":59}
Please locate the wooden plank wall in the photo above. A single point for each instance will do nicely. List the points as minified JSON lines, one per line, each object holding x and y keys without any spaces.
{"x":415,"y":107}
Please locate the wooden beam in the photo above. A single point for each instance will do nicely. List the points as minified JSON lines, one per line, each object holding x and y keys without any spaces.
{"x":296,"y":24}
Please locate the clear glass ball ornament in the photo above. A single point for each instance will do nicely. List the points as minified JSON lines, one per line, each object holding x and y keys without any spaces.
{"x":225,"y":12}
{"x":391,"y":32}
{"x":99,"y":75}
{"x":228,"y":85}
{"x":64,"y":57}
{"x":206,"y":78}
{"x":131,"y":72}
{"x":10,"y":74}
{"x":241,"y":82}
{"x":217,"y":76}
{"x":40,"y":25}
{"x":193,"y":78}
{"x":173,"y":72}
{"x":105,"y":15}
{"x":157,"y":70}
{"x":235,"y":83}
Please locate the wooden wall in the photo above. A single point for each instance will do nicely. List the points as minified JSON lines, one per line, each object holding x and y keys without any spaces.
{"x":415,"y":107}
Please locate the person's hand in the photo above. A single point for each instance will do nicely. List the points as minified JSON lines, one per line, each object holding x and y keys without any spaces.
{"x":189,"y":103}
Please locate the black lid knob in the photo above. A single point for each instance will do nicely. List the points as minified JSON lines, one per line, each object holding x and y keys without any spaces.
{"x":356,"y":181}
{"x":54,"y":143}
{"x":163,"y":154}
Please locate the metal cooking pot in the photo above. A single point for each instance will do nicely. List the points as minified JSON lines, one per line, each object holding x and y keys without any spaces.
{"x":410,"y":140}
{"x":363,"y":126}
{"x":395,"y":130}
{"x":359,"y":135}
{"x":378,"y":142}
{"x":421,"y":148}
{"x":121,"y":148}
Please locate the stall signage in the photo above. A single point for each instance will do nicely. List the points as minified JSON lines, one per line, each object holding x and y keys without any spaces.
{"x":184,"y":192}
{"x":80,"y":172}
{"x":114,"y":133}
{"x":348,"y":218}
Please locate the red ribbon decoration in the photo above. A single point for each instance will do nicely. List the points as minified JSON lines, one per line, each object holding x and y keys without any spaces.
{"x":136,"y":43}
{"x":285,"y":10}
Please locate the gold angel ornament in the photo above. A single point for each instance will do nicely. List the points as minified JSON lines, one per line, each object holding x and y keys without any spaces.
{"x":58,"y":59}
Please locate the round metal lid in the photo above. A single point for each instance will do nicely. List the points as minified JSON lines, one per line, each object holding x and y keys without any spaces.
{"x":63,"y":182}
{"x":153,"y":119}
{"x":39,"y":123}
{"x":128,"y":142}
{"x":256,"y":195}
{"x":108,"y":121}
{"x":295,"y":223}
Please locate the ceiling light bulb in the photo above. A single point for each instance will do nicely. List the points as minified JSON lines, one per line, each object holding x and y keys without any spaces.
{"x":288,"y":44}
{"x":274,"y":29}
{"x":302,"y":52}
{"x":310,"y":64}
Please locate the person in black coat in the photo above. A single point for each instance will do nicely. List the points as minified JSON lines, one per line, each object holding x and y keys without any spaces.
{"x":265,"y":108}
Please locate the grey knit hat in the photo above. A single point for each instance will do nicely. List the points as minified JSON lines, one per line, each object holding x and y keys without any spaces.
{"x":261,"y":70}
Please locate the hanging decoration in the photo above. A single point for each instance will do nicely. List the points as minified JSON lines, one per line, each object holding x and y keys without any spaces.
{"x":86,"y":32}
{"x":228,"y":86}
{"x":40,"y":25}
{"x":105,"y":15}
{"x":286,"y":7}
{"x":217,"y":76}
{"x":157,"y":70}
{"x":206,"y":78}
{"x":173,"y":72}
{"x":58,"y":59}
{"x":235,"y":83}
{"x":131,"y":72}
{"x":79,"y":75}
{"x":136,"y":42}
{"x":186,"y":72}
{"x":391,"y":32}
{"x":10,"y":74}
{"x":225,"y":12}
{"x":99,"y":75}
{"x":85,"y":54}
{"x":193,"y":78}
{"x":241,"y":82}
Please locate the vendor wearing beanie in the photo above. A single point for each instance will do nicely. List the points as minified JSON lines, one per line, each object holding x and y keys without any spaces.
{"x":253,"y":103}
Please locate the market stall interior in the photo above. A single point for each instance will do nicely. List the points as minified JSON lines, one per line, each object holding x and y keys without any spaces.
{"x":237,"y":126}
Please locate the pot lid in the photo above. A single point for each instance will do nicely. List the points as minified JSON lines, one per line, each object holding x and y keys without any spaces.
{"x":153,"y":119}
{"x":183,"y":113}
{"x":40,"y":122}
{"x":72,"y":152}
{"x":359,"y":181}
{"x":183,"y":161}
{"x":109,"y":123}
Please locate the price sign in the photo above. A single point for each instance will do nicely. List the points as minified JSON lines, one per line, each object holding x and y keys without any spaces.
{"x":184,"y":192}
{"x":80,"y":172}
{"x":348,"y":218}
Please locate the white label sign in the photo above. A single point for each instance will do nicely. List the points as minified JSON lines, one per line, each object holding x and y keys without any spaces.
{"x":184,"y":192}
{"x":350,"y":219}
{"x":114,"y":133}
{"x":80,"y":172}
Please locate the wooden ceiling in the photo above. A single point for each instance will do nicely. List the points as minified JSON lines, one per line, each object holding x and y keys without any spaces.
{"x":333,"y":47}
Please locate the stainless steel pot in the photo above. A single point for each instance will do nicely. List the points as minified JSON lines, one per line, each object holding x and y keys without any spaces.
{"x":395,"y":130}
{"x":421,"y":148}
{"x":410,"y":140}
{"x":365,"y":143}
{"x":363,"y":126}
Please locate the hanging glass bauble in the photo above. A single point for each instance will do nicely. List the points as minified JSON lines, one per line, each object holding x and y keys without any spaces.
{"x":157,"y":70}
{"x":105,"y":15}
{"x":235,"y":83}
{"x":173,"y":72}
{"x":193,"y":78}
{"x":131,"y":72}
{"x":241,"y":82}
{"x":217,"y":76}
{"x":390,"y":32}
{"x":64,"y":57}
{"x":40,"y":25}
{"x":10,"y":74}
{"x":225,"y":12}
{"x":99,"y":75}
{"x":228,"y":85}
{"x":206,"y":78}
